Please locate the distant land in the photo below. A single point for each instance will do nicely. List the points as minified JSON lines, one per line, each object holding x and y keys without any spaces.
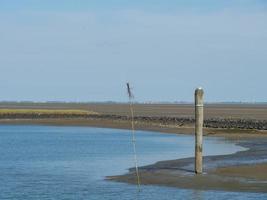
{"x":168,"y":117}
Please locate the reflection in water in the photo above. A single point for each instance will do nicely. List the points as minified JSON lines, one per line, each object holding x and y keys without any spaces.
{"x":197,"y":195}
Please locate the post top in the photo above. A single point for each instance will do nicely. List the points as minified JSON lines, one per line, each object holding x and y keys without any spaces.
{"x":199,"y":88}
{"x":199,"y":91}
{"x":199,"y":95}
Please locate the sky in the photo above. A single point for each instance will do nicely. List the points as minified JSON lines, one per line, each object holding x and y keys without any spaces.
{"x":86,"y":50}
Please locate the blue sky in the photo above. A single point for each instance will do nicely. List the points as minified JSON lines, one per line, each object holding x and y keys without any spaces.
{"x":63,"y":5}
{"x":78,"y":50}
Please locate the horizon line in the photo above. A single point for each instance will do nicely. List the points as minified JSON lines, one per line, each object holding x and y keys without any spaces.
{"x":126,"y":102}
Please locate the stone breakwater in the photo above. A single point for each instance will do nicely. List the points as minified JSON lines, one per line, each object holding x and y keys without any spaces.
{"x":223,"y":123}
{"x":208,"y":123}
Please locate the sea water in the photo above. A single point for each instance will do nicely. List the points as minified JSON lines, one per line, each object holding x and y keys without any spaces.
{"x":49,"y":162}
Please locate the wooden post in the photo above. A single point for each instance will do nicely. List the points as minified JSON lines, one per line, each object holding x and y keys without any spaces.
{"x":199,"y":104}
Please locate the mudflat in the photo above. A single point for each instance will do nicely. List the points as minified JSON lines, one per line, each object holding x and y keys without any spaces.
{"x":244,"y":171}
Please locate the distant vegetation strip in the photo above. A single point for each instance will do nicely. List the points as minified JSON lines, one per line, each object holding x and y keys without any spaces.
{"x":44,"y":112}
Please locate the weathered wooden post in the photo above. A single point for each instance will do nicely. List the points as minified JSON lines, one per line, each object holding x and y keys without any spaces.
{"x":199,"y":117}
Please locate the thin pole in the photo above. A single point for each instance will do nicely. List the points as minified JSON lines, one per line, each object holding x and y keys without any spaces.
{"x":199,"y":117}
{"x":133,"y":136}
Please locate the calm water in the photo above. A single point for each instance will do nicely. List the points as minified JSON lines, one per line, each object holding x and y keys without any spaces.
{"x":41,"y":162}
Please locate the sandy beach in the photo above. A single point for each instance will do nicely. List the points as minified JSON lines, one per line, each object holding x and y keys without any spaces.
{"x":242,"y":171}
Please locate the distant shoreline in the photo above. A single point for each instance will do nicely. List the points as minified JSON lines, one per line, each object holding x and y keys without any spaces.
{"x":117,"y":122}
{"x":162,"y":124}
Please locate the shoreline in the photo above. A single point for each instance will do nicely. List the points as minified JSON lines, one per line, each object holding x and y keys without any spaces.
{"x":139,"y":125}
{"x":243,"y":171}
{"x":234,"y":172}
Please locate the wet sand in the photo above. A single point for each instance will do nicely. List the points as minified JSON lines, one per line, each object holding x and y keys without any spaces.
{"x":244,"y":171}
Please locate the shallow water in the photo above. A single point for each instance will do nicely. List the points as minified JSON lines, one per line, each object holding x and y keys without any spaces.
{"x":43,"y":162}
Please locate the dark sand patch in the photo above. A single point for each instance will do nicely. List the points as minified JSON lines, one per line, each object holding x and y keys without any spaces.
{"x":254,"y":171}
